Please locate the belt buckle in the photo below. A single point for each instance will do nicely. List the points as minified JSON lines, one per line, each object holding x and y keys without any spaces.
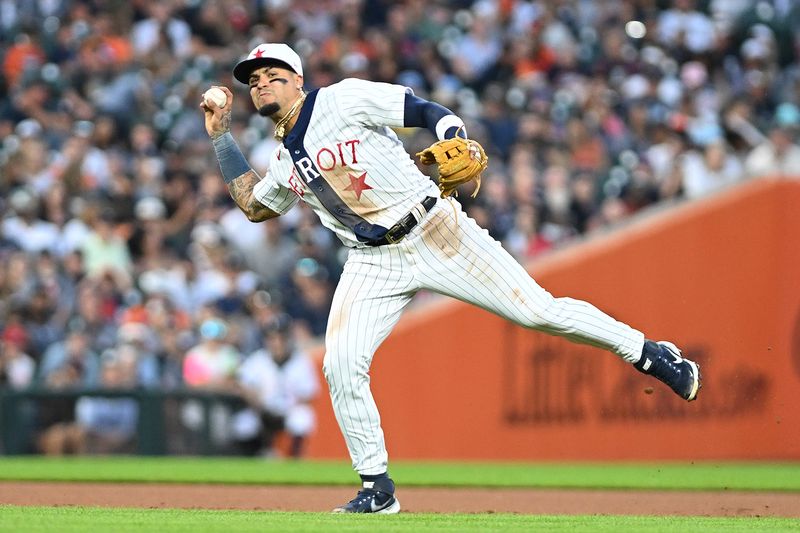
{"x":390,"y":238}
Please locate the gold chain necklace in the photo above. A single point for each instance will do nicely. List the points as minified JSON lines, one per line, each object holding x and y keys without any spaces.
{"x":280,"y":126}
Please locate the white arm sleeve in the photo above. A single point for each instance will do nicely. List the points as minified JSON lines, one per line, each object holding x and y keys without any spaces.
{"x":276,"y":197}
{"x":371,"y":103}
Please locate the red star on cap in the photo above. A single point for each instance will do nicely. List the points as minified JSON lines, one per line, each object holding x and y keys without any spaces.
{"x":358,"y":184}
{"x":259,"y":52}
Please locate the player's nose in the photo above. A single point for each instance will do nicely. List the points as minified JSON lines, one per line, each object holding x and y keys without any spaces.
{"x":263,"y":81}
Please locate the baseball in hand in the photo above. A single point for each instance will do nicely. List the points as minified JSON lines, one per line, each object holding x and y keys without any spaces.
{"x":216,"y":95}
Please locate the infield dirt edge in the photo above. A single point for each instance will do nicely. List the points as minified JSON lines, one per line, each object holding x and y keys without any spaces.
{"x":413,"y":499}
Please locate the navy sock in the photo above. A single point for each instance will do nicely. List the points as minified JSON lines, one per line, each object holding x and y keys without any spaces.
{"x":649,"y":352}
{"x":376,"y":477}
{"x":380,"y":483}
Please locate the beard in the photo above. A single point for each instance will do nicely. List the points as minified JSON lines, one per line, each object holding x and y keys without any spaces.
{"x":267,"y":110}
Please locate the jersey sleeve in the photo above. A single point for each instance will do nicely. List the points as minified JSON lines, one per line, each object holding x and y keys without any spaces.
{"x":371,"y":103}
{"x":273,"y":195}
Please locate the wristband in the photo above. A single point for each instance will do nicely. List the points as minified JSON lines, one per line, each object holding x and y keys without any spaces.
{"x":447,"y":126}
{"x":232,"y":162}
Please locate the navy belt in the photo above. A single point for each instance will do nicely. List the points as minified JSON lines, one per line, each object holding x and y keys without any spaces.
{"x":397,"y":232}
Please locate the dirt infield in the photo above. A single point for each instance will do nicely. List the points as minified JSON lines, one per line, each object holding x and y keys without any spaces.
{"x":413,"y":499}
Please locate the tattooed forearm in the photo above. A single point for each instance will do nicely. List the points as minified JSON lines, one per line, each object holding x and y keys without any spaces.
{"x":225,"y":123}
{"x":241,"y":190}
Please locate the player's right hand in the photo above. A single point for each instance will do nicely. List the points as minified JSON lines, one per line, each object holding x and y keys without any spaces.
{"x":218,"y":120}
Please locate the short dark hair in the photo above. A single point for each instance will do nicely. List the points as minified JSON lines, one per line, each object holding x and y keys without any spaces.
{"x":280,"y":323}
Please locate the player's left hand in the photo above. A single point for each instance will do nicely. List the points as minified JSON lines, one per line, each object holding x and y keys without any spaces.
{"x":218,"y":120}
{"x":459,"y":160}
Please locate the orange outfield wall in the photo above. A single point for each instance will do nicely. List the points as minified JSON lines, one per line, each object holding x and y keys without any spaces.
{"x":718,"y":277}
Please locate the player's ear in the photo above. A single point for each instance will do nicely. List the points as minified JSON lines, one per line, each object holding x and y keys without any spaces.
{"x":298,"y":81}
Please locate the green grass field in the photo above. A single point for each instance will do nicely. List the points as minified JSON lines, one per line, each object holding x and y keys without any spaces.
{"x":675,"y":476}
{"x":67,"y":520}
{"x":667,"y":476}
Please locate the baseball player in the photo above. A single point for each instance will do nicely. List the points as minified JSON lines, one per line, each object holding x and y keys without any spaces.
{"x":340,"y":156}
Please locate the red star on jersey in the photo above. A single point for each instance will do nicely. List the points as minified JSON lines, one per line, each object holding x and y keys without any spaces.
{"x":358,"y":184}
{"x":258,"y":53}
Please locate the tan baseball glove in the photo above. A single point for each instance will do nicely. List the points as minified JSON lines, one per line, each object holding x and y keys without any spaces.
{"x":459,"y":160}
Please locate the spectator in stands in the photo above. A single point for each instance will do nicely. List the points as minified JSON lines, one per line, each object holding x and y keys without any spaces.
{"x":278,"y":381}
{"x":274,"y":255}
{"x":309,"y":296}
{"x":94,"y":313}
{"x":137,"y":346}
{"x":169,"y":334}
{"x":479,"y":48}
{"x":146,"y":243}
{"x":102,"y":425}
{"x":210,"y":366}
{"x":261,"y":308}
{"x":684,"y":28}
{"x":777,"y":156}
{"x":105,"y":252}
{"x":70,"y":362}
{"x":41,"y":322}
{"x":161,"y":32}
{"x":180,"y":204}
{"x":523,"y":240}
{"x":711,"y":170}
{"x":30,"y":232}
{"x":212,"y":363}
{"x":17,"y":368}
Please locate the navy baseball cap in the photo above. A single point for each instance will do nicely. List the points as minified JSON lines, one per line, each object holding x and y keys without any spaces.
{"x":268,"y":54}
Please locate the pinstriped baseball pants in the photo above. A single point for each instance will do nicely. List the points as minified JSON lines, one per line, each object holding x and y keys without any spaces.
{"x":447,"y":253}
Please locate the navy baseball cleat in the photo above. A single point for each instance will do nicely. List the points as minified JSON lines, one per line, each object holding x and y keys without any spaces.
{"x":663,"y":361}
{"x":375,"y":497}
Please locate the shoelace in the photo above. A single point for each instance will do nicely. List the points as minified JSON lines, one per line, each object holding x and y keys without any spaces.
{"x":363,"y":496}
{"x":672,"y":373}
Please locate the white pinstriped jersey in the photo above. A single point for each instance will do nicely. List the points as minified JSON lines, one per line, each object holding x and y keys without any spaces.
{"x":344,"y":161}
{"x":342,"y":140}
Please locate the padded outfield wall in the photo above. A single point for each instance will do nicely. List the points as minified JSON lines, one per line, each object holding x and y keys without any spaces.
{"x":720,"y":277}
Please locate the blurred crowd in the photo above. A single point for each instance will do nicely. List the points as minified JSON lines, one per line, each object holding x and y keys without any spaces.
{"x":119,"y":243}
